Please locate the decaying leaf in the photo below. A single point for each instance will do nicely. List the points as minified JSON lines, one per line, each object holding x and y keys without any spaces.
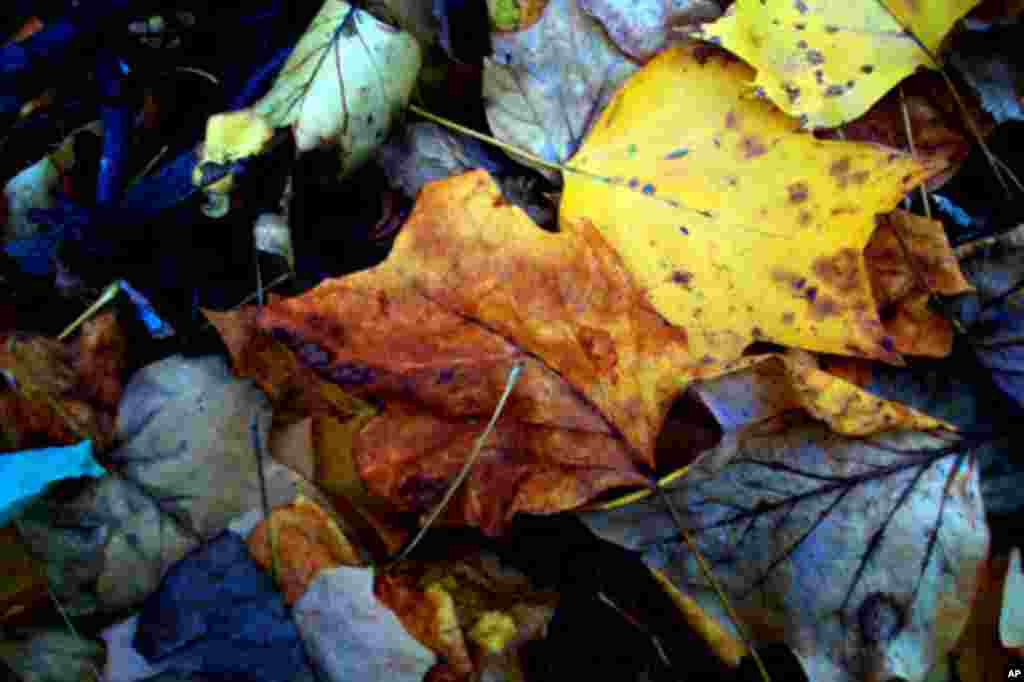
{"x":295,"y":391}
{"x":297,"y":542}
{"x":738,"y":226}
{"x":827,"y":62}
{"x":979,"y":653}
{"x":909,"y":259}
{"x":545,"y":86}
{"x":471,"y":287}
{"x":641,"y":29}
{"x":937,"y":125}
{"x":52,"y":656}
{"x":783,"y":506}
{"x":993,"y":317}
{"x":474,"y":612}
{"x":352,"y":635}
{"x":46,"y":400}
{"x":186,"y":468}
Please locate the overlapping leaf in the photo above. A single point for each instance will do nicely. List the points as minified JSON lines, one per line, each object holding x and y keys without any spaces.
{"x":827,"y":62}
{"x":738,"y":226}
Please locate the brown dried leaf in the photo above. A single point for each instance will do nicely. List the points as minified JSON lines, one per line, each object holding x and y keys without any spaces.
{"x":471,"y":287}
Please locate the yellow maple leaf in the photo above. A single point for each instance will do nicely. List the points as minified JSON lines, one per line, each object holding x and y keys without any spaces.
{"x":739,"y":226}
{"x":827,"y":62}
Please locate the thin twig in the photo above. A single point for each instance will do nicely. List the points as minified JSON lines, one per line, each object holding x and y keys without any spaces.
{"x":913,"y":151}
{"x":106,"y":297}
{"x":709,"y":576}
{"x":513,"y":377}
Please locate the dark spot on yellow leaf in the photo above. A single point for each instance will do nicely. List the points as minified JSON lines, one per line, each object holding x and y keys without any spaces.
{"x":730,"y":119}
{"x":849,"y":85}
{"x":840,"y":168}
{"x":756,"y":333}
{"x":800,"y":27}
{"x":697,"y":312}
{"x":788,"y":318}
{"x":799,"y":283}
{"x":801,"y":44}
{"x":677,"y":154}
{"x":707,"y":360}
{"x":815,"y":57}
{"x":860,"y":177}
{"x":500,"y":201}
{"x":811,"y":294}
{"x":752,"y":147}
{"x":684,"y":230}
{"x":800,"y":6}
{"x":834,"y":91}
{"x":824,"y":307}
{"x":819,"y":76}
{"x":831,"y":28}
{"x":840,"y":271}
{"x":804,"y":218}
{"x":847,"y":210}
{"x":798,"y":192}
{"x":633,"y":183}
{"x":867,"y":68}
{"x":760,"y":93}
{"x":682,"y":278}
{"x":792,"y":91}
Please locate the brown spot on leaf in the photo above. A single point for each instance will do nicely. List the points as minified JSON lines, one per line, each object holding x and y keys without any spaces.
{"x":815,"y":57}
{"x":752,"y":147}
{"x":801,"y":44}
{"x":798,"y":192}
{"x":819,"y":76}
{"x":867,"y":68}
{"x":788,"y":318}
{"x":792,"y":92}
{"x":834,"y":91}
{"x":840,"y":168}
{"x":825,"y":306}
{"x":841,"y":271}
{"x":731,"y":119}
{"x":800,"y":6}
{"x":682,"y":277}
{"x":805,"y":218}
{"x":860,"y":177}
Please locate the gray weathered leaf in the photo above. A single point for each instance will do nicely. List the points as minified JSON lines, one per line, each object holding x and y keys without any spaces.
{"x":545,"y":86}
{"x":643,"y":27}
{"x":861,"y":555}
{"x":186,"y":468}
{"x":352,"y":636}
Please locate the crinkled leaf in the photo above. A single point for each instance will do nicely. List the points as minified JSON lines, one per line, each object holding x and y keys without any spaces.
{"x":827,"y":62}
{"x":909,"y":259}
{"x":993,"y":318}
{"x":53,"y":656}
{"x":738,"y":226}
{"x":217,"y":613}
{"x":545,"y":86}
{"x":345,"y":83}
{"x":352,"y":636}
{"x":641,"y":29}
{"x":471,"y":287}
{"x":783,"y":506}
{"x":186,"y":468}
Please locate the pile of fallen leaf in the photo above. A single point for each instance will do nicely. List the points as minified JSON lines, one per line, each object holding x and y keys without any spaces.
{"x":512,"y":340}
